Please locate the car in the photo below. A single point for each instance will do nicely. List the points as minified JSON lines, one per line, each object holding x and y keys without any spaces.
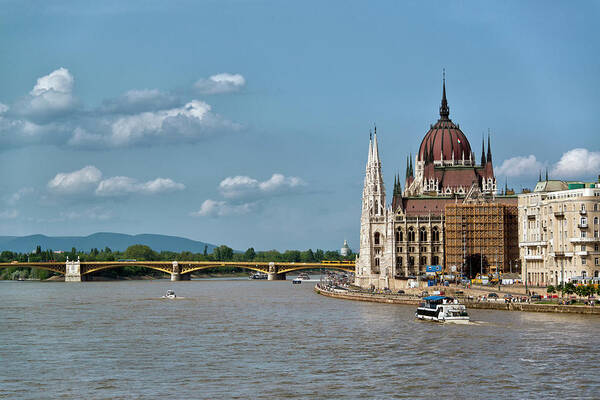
{"x":535,"y":297}
{"x":492,"y":296}
{"x":400,"y":291}
{"x":508,"y":296}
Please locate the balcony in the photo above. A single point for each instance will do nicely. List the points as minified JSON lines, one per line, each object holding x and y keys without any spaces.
{"x":559,"y":214}
{"x":582,"y":225}
{"x":534,"y":257}
{"x":533,"y":244}
{"x":531,"y":214}
{"x":583,"y":212}
{"x":582,"y":253}
{"x":584,"y":239}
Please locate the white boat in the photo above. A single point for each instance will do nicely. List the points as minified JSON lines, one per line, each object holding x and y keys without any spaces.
{"x":442,"y":309}
{"x":170,"y":295}
{"x":303,"y":276}
{"x":258,"y":275}
{"x":296,"y":281}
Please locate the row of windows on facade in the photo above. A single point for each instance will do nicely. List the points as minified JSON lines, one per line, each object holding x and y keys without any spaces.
{"x":536,"y":224}
{"x":435,"y":235}
{"x":435,"y":260}
{"x":566,"y":207}
{"x":541,"y":251}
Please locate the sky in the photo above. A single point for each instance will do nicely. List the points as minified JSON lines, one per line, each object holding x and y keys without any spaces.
{"x":246,"y":123}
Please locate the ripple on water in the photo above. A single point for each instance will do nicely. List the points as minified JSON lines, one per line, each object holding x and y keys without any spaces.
{"x":265,"y":340}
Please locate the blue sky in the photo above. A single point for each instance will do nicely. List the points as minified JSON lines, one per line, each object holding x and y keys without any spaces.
{"x":246,"y":122}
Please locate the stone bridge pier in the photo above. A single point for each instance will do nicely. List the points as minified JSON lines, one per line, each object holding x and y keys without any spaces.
{"x":176,"y":274}
{"x":73,"y":271}
{"x":273,"y":275}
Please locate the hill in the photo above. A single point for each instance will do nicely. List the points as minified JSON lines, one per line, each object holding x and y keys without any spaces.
{"x":116,"y":241}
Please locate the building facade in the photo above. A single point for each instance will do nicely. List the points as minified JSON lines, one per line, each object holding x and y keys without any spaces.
{"x":559,"y":232}
{"x":398,"y":240}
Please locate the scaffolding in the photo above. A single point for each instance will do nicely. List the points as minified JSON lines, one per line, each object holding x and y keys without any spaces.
{"x":486,"y":230}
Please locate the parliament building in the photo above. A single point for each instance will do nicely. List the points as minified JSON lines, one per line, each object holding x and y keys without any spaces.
{"x":399,"y":240}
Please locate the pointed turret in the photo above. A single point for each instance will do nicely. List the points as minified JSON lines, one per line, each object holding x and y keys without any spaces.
{"x":482,"y":151}
{"x":374,"y":190}
{"x":489,"y":152}
{"x":444,"y":109}
{"x":540,"y":177}
{"x":546,"y":174}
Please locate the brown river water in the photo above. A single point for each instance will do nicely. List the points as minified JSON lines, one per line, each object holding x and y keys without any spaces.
{"x":241,"y":339}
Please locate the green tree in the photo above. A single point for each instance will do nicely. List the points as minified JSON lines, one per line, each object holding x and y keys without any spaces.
{"x":223,"y":253}
{"x":550,"y":289}
{"x":140,"y":252}
{"x":250,"y":254}
{"x":569,"y":288}
{"x":205,"y":250}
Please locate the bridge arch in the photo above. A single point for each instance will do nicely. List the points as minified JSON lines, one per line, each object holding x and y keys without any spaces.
{"x":167,"y":268}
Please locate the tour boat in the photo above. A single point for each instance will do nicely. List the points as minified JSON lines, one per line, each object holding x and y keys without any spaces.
{"x":170,"y":294}
{"x":258,"y":275}
{"x":442,"y":309}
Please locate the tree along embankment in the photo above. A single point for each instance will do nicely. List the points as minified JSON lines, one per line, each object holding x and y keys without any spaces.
{"x":484,"y":305}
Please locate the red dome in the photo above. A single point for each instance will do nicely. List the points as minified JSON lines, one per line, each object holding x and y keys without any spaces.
{"x":444,"y":138}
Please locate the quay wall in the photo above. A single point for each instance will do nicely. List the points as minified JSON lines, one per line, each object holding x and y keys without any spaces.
{"x":484,"y":305}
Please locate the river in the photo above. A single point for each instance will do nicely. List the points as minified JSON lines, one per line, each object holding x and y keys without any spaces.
{"x":241,"y":339}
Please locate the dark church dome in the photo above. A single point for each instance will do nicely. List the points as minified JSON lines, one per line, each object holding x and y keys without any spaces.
{"x":444,"y":138}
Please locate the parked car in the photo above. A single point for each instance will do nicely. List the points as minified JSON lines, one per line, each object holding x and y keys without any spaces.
{"x":401,"y":291}
{"x":535,"y":297}
{"x":492,"y":296}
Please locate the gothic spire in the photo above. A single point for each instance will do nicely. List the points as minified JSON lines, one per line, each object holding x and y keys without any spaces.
{"x":489,"y":152}
{"x":411,"y":165}
{"x":407,"y":170}
{"x":444,"y":109}
{"x":482,"y":151}
{"x":540,"y":177}
{"x":375,"y":147}
{"x":546,"y":174}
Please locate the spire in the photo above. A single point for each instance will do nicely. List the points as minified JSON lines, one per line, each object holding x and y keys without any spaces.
{"x":411,"y":165}
{"x":489,"y":152}
{"x":505,"y":185}
{"x":444,"y":109}
{"x":546,"y":174}
{"x":375,"y":147}
{"x":482,"y":151}
{"x":540,"y":177}
{"x":370,"y":157}
{"x":407,"y":169}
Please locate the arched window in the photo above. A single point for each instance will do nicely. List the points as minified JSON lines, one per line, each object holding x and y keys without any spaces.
{"x":435,"y":260}
{"x":376,"y":238}
{"x":595,"y":220}
{"x":399,"y":262}
{"x":411,"y":234}
{"x":435,"y":234}
{"x":399,"y":235}
{"x":423,"y":260}
{"x":377,"y":262}
{"x":422,"y":235}
{"x":411,"y":261}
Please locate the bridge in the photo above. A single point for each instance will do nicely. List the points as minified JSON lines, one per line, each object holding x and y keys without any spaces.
{"x":77,"y":271}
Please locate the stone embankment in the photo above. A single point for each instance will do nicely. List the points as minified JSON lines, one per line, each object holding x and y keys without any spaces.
{"x":486,"y":305}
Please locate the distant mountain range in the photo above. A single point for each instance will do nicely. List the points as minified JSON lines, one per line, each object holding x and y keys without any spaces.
{"x":115,"y":241}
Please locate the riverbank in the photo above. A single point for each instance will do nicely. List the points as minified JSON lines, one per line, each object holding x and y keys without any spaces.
{"x":485,"y":305}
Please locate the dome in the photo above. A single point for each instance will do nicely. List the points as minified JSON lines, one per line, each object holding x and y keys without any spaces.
{"x":445,"y":138}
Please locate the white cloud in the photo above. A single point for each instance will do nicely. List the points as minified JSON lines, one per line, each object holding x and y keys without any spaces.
{"x":9,"y":214}
{"x":51,"y":96}
{"x":220,"y":83}
{"x":520,"y":166}
{"x":122,"y":185}
{"x":18,"y":195}
{"x":577,"y":163}
{"x":50,"y":114}
{"x":136,"y":101}
{"x":75,"y":182}
{"x":212,"y":208}
{"x":245,"y":186}
{"x":245,"y":194}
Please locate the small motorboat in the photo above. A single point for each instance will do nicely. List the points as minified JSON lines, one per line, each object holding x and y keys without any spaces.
{"x":170,"y":295}
{"x":303,"y":276}
{"x":296,"y":281}
{"x":442,"y":309}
